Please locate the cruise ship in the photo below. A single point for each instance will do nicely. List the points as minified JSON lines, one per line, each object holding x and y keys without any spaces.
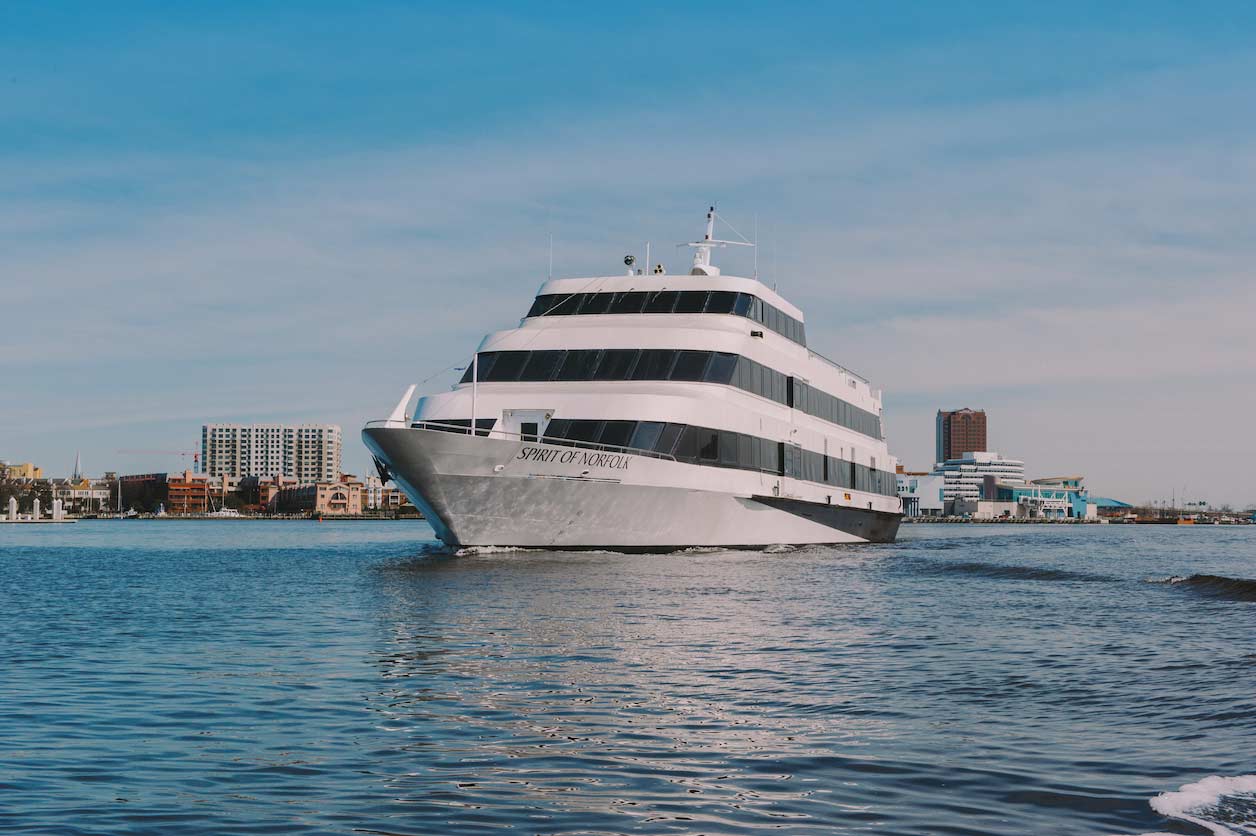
{"x":648,"y":411}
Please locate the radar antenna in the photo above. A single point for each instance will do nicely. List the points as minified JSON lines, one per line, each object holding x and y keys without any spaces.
{"x":702,"y":249}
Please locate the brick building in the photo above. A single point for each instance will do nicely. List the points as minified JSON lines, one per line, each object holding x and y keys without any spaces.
{"x":959,"y":432}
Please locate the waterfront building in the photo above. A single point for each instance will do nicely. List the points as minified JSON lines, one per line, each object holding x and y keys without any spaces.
{"x":188,"y":493}
{"x":923,"y":494}
{"x":25,"y":472}
{"x":342,"y":498}
{"x":959,"y":432}
{"x":965,"y":476}
{"x":83,"y":496}
{"x":307,"y":452}
{"x":142,"y":491}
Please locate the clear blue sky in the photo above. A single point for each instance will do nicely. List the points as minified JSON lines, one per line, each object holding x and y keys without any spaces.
{"x":238,"y":211}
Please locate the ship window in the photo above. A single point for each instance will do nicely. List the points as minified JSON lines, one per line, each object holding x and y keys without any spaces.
{"x":528,"y":430}
{"x":662,"y":301}
{"x":565,"y":306}
{"x":722,"y":367}
{"x":748,"y":452}
{"x":687,"y":445}
{"x":655,"y":363}
{"x":756,"y":309}
{"x":745,"y":374}
{"x":542,"y":304}
{"x":646,"y":435}
{"x":541,"y":365}
{"x":708,"y":444}
{"x":691,"y":301}
{"x":690,"y":365}
{"x":616,"y":364}
{"x":595,"y":303}
{"x":578,"y":365}
{"x":557,"y":428}
{"x":668,"y":437}
{"x":728,"y":448}
{"x":720,"y":302}
{"x":584,"y":430}
{"x":772,"y":318}
{"x":761,"y":385}
{"x":630,"y":302}
{"x":770,"y":456}
{"x":616,"y":433}
{"x":743,"y":304}
{"x":506,"y":367}
{"x":791,"y":460}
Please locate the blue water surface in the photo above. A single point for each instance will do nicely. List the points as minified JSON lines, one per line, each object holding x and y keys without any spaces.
{"x":295,"y":677}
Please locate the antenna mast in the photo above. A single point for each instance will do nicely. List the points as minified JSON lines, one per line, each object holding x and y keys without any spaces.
{"x":702,"y":249}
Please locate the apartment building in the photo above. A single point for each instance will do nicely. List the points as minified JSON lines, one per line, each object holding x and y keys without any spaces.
{"x":307,"y":452}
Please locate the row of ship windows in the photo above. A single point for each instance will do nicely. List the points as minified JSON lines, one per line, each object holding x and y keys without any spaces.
{"x":672,"y":364}
{"x":672,"y":301}
{"x":703,"y":445}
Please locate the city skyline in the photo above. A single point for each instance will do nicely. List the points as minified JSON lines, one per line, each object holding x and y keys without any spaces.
{"x":1038,"y":211}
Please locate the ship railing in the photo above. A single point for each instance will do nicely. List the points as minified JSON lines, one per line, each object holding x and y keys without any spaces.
{"x":537,"y":438}
{"x":839,"y":367}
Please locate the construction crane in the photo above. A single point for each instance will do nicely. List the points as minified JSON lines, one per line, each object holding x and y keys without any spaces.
{"x":195,"y":454}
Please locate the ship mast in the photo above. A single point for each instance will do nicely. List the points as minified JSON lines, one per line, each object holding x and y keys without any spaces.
{"x":702,"y":249}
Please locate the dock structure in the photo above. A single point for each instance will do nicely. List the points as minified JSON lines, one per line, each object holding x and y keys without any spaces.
{"x":57,"y":514}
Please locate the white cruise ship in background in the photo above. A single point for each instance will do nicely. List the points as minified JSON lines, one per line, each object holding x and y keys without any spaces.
{"x":648,"y":411}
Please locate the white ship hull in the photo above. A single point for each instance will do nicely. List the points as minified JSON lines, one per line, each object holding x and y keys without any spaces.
{"x":485,"y":491}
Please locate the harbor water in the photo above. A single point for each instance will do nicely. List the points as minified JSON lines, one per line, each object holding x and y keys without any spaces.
{"x":295,"y":677}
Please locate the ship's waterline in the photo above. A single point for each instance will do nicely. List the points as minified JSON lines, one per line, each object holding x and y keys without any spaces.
{"x":486,"y":491}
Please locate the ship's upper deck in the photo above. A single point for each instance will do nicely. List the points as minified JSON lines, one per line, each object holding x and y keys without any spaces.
{"x":653,"y":282}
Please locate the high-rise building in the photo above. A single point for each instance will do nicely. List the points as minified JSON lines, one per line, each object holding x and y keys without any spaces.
{"x":959,"y":432}
{"x":307,"y":452}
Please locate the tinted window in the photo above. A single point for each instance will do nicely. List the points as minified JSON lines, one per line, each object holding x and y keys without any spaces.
{"x":691,"y":301}
{"x":584,"y":430}
{"x":748,"y":452}
{"x":743,"y":304}
{"x":616,"y":433}
{"x":708,"y":444}
{"x":506,"y":367}
{"x":541,"y":365}
{"x":728,"y":448}
{"x":542,"y":304}
{"x":745,"y":373}
{"x":557,"y":428}
{"x":721,"y":301}
{"x":690,"y":365}
{"x":487,"y":358}
{"x":662,"y":301}
{"x":655,"y":363}
{"x":770,"y":455}
{"x":578,"y":365}
{"x":566,"y":305}
{"x":616,"y":364}
{"x":722,"y":368}
{"x":687,"y":445}
{"x":646,"y":435}
{"x":629,"y":302}
{"x":668,"y":437}
{"x":595,"y":303}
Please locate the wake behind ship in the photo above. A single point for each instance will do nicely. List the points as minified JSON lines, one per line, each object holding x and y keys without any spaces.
{"x":648,"y":412}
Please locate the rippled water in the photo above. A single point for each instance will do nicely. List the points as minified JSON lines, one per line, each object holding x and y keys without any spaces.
{"x":265,"y":677}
